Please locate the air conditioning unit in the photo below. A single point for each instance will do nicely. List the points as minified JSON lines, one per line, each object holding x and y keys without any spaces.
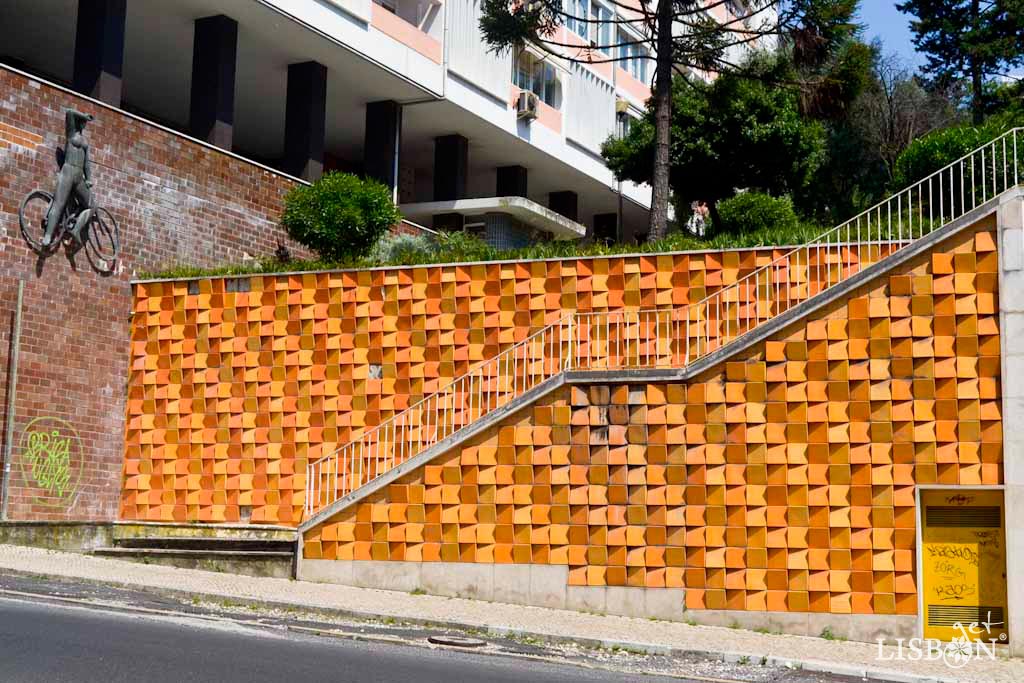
{"x":526,"y":106}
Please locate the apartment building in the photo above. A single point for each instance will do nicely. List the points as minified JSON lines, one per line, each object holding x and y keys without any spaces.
{"x":406,"y":91}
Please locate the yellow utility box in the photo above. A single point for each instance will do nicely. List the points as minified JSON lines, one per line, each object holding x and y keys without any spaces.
{"x":963,"y":558}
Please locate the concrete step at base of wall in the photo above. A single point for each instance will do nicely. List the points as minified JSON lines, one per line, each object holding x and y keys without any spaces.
{"x":276,"y":564}
{"x":242,"y":544}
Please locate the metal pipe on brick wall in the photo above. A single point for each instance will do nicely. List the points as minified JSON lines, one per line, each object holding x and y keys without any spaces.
{"x":12,"y":392}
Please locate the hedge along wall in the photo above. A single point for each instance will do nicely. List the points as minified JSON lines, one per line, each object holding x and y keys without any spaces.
{"x":237,"y":383}
{"x":781,"y":480}
{"x":177,"y":202}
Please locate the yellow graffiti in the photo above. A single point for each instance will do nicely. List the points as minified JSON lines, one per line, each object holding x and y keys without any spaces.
{"x":49,"y":457}
{"x":51,"y":461}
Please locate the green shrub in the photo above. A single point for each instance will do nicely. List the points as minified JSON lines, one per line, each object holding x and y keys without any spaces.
{"x":751,"y":212}
{"x":443,"y":247}
{"x":931,"y":152}
{"x":462,"y":247}
{"x":340,"y":216}
{"x":966,"y":184}
{"x":403,"y":249}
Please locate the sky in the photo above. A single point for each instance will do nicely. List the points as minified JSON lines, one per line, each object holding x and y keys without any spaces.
{"x":884,"y":21}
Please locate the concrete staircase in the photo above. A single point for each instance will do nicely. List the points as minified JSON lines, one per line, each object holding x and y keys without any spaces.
{"x":248,"y":550}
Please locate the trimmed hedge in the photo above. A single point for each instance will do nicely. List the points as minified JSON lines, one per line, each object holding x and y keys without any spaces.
{"x":341,"y":216}
{"x":756,"y":212}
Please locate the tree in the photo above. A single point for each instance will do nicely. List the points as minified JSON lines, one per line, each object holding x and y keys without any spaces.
{"x":896,"y":109}
{"x":677,"y":35}
{"x":735,"y":132}
{"x":865,"y":139}
{"x":973,"y":40}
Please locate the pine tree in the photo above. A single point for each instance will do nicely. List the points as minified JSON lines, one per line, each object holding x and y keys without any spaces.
{"x":973,"y":40}
{"x":679,"y":36}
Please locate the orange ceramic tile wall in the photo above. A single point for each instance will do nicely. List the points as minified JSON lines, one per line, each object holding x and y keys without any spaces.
{"x":783,"y":480}
{"x":232,"y":392}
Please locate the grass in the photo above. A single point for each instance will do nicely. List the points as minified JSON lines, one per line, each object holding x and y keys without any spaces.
{"x":446,"y":248}
{"x":767,"y":631}
{"x":827,"y":634}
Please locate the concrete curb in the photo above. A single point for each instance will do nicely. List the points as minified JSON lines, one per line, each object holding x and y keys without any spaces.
{"x":730,"y":657}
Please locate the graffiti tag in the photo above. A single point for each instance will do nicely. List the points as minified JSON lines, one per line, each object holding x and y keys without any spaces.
{"x":51,"y":461}
{"x":987,"y":539}
{"x":949,"y":571}
{"x":48,"y":455}
{"x":959,"y":499}
{"x":954,"y":591}
{"x":953,"y":552}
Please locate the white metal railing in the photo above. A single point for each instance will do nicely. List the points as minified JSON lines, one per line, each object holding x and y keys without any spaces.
{"x":488,"y":386}
{"x":672,"y":337}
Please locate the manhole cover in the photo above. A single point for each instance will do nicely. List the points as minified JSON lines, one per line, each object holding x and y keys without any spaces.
{"x":456,"y":641}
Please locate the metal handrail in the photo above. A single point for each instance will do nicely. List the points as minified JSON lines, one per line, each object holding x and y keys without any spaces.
{"x":673,"y":337}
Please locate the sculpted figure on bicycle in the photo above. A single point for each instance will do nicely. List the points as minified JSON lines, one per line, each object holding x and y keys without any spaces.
{"x":73,"y":178}
{"x":70,"y":215}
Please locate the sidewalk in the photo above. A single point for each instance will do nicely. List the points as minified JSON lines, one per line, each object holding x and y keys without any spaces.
{"x":556,"y":625}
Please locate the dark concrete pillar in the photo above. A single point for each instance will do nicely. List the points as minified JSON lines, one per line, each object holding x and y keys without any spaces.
{"x":214,"y":52}
{"x":511,"y":181}
{"x":305,"y":120}
{"x":565,"y":203}
{"x":606,"y":227}
{"x":99,"y":49}
{"x":451,"y":162}
{"x":382,"y":142}
{"x":449,"y":222}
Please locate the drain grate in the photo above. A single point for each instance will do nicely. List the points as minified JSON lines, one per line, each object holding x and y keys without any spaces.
{"x":456,"y":641}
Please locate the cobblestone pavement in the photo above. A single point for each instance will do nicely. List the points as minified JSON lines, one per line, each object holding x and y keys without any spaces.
{"x":525,"y":624}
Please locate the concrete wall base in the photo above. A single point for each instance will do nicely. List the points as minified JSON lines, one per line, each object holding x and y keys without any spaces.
{"x":546,"y":586}
{"x":88,"y":536}
{"x":66,"y":536}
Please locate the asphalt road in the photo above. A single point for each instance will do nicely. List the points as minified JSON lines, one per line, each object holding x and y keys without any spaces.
{"x":53,"y":643}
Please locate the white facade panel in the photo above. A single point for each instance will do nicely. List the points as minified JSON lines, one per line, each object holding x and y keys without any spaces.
{"x":641,"y":194}
{"x":589,"y":108}
{"x":340,"y":21}
{"x":468,"y":53}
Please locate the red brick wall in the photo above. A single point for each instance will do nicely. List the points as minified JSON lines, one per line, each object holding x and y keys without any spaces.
{"x":177,"y":202}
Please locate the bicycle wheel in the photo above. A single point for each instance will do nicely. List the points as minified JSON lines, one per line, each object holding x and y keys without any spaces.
{"x":102,"y":241}
{"x":32,"y":218}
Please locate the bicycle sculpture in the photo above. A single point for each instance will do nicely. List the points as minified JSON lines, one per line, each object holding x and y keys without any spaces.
{"x":68,"y":216}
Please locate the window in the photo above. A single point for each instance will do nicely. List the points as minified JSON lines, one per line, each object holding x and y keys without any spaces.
{"x":539,"y":77}
{"x":578,"y":11}
{"x":601,"y":30}
{"x":632,"y":57}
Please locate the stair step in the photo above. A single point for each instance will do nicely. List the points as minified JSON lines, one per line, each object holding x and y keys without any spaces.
{"x":130,"y":530}
{"x":182,"y":552}
{"x":205,"y":543}
{"x":271,"y":563}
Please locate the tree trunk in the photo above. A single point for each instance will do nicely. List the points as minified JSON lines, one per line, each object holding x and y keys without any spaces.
{"x":662,"y":96}
{"x":714,"y":224}
{"x":977,"y":85}
{"x":977,"y":94}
